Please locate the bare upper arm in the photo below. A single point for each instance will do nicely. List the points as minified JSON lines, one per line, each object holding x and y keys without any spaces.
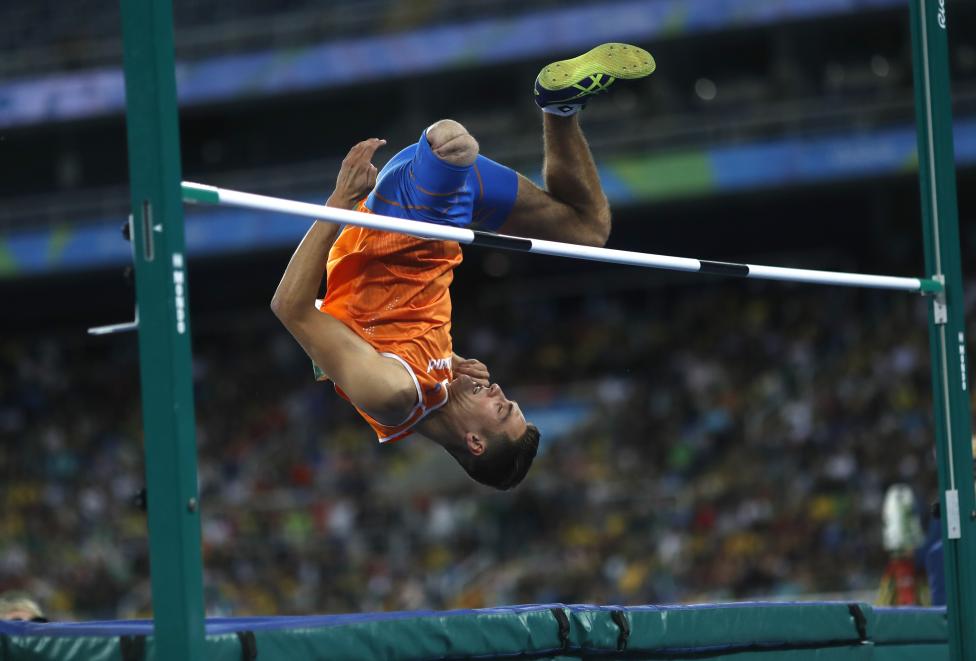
{"x":375,"y":383}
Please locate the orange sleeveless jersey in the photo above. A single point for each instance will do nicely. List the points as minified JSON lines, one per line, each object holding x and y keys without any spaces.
{"x":392,"y":290}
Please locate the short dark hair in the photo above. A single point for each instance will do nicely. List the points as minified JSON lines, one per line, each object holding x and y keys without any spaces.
{"x":504,"y":463}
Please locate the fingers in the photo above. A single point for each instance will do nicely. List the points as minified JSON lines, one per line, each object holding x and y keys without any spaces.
{"x":370,"y":146}
{"x":357,"y":174}
{"x":475,"y":369}
{"x":362,"y":152}
{"x":478,"y":369}
{"x":480,"y":380}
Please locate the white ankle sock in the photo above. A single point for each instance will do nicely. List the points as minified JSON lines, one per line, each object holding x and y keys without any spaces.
{"x":563,"y":109}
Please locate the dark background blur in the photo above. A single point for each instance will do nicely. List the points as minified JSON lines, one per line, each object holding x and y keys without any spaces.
{"x":702,"y":439}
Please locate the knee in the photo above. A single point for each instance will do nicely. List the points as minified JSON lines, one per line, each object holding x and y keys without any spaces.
{"x":599,"y":230}
{"x":452,"y":143}
{"x":595,"y":225}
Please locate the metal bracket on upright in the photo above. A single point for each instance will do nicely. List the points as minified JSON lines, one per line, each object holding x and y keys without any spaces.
{"x":112,"y":329}
{"x":940,"y":309}
{"x":126,"y":326}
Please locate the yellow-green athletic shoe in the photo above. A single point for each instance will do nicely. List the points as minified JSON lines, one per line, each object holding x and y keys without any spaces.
{"x":564,"y":87}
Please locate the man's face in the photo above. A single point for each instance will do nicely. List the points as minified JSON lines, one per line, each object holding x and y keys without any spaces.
{"x":488,"y":413}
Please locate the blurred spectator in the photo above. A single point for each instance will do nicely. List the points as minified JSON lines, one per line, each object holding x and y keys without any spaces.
{"x":19,"y":607}
{"x":903,"y":582}
{"x":730,"y":444}
{"x":931,"y":552}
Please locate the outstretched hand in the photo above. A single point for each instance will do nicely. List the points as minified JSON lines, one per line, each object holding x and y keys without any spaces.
{"x":357,"y":175}
{"x":476,"y":369}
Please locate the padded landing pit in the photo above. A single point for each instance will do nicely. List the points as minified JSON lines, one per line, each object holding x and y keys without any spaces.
{"x":731,"y":632}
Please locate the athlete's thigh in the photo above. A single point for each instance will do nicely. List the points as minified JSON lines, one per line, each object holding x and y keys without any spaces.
{"x":495,"y":188}
{"x":537,"y":214}
{"x":416,"y":184}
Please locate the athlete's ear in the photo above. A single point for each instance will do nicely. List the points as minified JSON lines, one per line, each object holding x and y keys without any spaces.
{"x":474,"y":443}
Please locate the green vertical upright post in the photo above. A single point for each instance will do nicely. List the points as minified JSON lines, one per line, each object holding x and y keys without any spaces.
{"x":164,"y":329}
{"x":950,"y":401}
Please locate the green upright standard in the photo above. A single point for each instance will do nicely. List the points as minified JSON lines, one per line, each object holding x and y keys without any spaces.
{"x":157,"y":223}
{"x":950,"y":395}
{"x":164,"y":329}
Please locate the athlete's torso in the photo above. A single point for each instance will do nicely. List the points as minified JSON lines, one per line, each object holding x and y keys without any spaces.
{"x":393,"y":291}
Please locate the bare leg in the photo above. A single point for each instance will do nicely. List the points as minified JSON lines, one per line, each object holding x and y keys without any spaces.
{"x":573,"y":208}
{"x":570,"y":174}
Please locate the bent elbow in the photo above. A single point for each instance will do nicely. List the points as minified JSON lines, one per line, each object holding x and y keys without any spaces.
{"x":290,"y":313}
{"x":281,"y":309}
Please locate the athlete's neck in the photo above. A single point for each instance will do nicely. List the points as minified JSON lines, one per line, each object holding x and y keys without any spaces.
{"x":443,"y":427}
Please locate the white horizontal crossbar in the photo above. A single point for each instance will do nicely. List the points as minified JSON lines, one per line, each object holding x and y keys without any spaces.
{"x":203,"y":194}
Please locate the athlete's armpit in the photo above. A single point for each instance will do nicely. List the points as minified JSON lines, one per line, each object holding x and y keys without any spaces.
{"x":374,"y":383}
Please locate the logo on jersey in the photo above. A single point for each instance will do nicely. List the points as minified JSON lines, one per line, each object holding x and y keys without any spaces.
{"x":438,"y":364}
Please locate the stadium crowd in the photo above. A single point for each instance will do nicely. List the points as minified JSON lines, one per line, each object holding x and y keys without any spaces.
{"x":706,"y":443}
{"x":37,"y":37}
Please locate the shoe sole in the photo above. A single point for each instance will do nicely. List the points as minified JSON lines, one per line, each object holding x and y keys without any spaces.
{"x":617,"y":60}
